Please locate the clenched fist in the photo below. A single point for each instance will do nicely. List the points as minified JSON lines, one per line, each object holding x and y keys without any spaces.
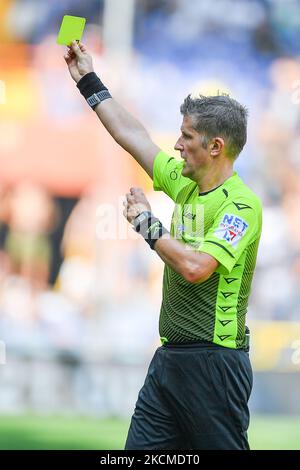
{"x":136,"y":203}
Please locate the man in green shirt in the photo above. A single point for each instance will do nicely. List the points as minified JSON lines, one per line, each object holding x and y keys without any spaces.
{"x":199,"y":381}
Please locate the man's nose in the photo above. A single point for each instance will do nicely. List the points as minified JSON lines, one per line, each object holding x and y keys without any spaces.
{"x":178,"y":145}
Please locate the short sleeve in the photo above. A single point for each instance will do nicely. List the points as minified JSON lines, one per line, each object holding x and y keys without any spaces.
{"x":235,"y":227}
{"x":167,"y":175}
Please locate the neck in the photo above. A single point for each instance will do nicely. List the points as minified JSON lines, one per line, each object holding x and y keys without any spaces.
{"x":213,"y":179}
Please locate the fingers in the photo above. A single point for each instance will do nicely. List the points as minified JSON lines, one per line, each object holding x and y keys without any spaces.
{"x":76,"y":49}
{"x":82,"y":48}
{"x":130,"y":198}
{"x":134,"y":204}
{"x":69,"y":54}
{"x":128,"y":211}
{"x":136,"y":195}
{"x":136,"y":190}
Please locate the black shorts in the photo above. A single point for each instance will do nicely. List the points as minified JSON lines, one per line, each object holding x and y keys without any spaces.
{"x":194,"y":397}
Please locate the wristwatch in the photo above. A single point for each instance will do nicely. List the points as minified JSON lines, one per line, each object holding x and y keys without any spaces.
{"x":140,"y":219}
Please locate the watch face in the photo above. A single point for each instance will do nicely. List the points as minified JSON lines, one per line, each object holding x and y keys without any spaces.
{"x":140,"y":218}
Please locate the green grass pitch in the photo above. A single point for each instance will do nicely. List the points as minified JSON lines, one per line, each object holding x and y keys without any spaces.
{"x":33,"y":432}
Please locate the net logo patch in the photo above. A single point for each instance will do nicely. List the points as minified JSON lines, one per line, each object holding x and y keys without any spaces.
{"x":231,"y":229}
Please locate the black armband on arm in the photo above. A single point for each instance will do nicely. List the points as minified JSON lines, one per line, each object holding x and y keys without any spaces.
{"x":149,"y":227}
{"x":91,"y":87}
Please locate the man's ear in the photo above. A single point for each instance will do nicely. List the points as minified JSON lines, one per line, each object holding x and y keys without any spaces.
{"x":216,"y":146}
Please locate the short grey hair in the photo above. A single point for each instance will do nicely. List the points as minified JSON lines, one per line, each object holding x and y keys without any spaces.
{"x":218,"y":116}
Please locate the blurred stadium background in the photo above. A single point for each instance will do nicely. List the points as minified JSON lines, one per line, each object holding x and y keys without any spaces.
{"x":79,"y":307}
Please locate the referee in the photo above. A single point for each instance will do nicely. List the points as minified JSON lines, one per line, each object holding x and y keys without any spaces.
{"x":197,"y":388}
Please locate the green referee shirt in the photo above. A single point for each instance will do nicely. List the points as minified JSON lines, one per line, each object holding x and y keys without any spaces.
{"x":225,"y":223}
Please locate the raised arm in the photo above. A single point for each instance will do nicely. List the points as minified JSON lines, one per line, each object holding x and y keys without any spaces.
{"x":127,"y":131}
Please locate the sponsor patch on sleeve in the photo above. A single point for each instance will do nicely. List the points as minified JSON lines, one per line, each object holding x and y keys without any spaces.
{"x":231,"y":229}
